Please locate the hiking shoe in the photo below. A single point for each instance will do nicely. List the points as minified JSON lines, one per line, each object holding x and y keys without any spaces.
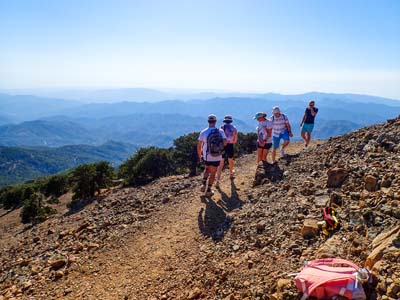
{"x":217,"y":184}
{"x":232,"y":176}
{"x":283,"y":154}
{"x":209,"y":193}
{"x":203,"y":188}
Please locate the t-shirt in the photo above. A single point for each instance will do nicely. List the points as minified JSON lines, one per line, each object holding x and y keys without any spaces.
{"x":309,"y":117}
{"x":230,"y":132}
{"x":262,"y":130}
{"x":203,"y":137}
{"x":279,"y":125}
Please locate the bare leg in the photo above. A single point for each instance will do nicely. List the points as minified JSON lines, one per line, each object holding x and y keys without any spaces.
{"x":284,"y":145}
{"x":273,"y":155}
{"x":308,"y":138}
{"x":265,"y":154}
{"x":211,"y":179}
{"x":303,"y":135}
{"x":230,"y":161}
{"x":219,"y":171}
{"x":259,"y":154}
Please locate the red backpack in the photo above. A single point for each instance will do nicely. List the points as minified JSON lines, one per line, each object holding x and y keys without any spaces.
{"x":331,"y":278}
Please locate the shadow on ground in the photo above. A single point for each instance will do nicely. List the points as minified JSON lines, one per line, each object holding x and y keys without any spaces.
{"x":213,"y":221}
{"x":230,"y":203}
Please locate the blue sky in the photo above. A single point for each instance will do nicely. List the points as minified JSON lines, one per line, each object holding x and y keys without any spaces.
{"x":249,"y":45}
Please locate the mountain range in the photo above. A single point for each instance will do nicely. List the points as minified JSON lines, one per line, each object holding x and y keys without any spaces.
{"x":31,"y":121}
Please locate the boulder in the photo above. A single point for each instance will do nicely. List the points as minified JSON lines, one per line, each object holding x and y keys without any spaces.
{"x":382,"y":242}
{"x":310,"y":228}
{"x":336,"y":177}
{"x":371,"y":183}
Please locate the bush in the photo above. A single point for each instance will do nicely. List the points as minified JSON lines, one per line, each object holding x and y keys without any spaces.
{"x":33,"y":212}
{"x":185,"y":153}
{"x":246,"y":144}
{"x":89,"y":179}
{"x":56,"y":186}
{"x":147,"y":165}
{"x":14,"y":196}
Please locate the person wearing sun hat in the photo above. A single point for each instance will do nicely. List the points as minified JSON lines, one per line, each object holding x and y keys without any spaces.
{"x":209,"y":150}
{"x":231,"y":139}
{"x":281,"y":129}
{"x":264,"y":136}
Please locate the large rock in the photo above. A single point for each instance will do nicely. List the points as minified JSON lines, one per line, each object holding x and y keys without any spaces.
{"x":381,"y":244}
{"x":371,"y":183}
{"x":310,"y":228}
{"x":336,"y":177}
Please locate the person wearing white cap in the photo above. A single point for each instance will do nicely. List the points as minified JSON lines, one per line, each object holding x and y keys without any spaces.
{"x":264,"y":136}
{"x":210,"y":148}
{"x":281,"y":129}
{"x":231,"y":139}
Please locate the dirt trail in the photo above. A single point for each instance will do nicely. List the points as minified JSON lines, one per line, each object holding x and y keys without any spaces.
{"x":166,"y":250}
{"x":157,"y":261}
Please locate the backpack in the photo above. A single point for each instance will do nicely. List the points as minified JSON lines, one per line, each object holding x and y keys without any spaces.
{"x":332,"y":278}
{"x":331,"y":221}
{"x":215,"y":143}
{"x":229,"y":131}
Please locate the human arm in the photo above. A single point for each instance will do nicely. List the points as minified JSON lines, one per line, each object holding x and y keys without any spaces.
{"x":200,"y":150}
{"x":289,"y":128}
{"x":313,"y":111}
{"x":303,"y":120}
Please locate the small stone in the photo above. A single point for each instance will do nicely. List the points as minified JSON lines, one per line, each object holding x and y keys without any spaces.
{"x":370,"y":183}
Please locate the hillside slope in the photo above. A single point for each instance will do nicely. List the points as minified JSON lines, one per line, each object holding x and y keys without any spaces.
{"x":20,"y":164}
{"x":165,"y":241}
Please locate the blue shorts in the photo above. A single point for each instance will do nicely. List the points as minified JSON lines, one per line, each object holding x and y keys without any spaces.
{"x":277,"y":139}
{"x":307,"y":127}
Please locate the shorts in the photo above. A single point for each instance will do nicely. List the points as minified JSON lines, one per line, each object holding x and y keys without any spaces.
{"x":212,"y":163}
{"x":277,"y":139}
{"x":266,"y":146}
{"x":307,"y":127}
{"x":228,"y":151}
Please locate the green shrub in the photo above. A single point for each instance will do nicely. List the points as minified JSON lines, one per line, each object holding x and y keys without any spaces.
{"x":185,"y":153}
{"x":147,"y":165}
{"x":89,"y":179}
{"x":56,"y":185}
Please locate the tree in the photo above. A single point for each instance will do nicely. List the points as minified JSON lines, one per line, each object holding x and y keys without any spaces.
{"x":90,"y":178}
{"x":147,"y":165}
{"x":185,"y":153}
{"x":56,"y":185}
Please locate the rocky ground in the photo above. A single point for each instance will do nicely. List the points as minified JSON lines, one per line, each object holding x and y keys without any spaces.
{"x":165,"y":241}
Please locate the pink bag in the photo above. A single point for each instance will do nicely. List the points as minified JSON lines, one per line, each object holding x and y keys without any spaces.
{"x":330,"y":278}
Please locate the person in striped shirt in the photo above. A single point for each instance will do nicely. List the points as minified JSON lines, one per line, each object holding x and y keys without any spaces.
{"x":281,"y":129}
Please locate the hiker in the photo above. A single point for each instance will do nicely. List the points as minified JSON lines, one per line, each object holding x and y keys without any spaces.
{"x":231,"y":139}
{"x":307,"y":124}
{"x":210,"y":148}
{"x":281,"y":129}
{"x":264,"y":136}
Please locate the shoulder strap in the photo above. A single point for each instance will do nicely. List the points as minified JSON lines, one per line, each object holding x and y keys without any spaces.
{"x":332,"y":261}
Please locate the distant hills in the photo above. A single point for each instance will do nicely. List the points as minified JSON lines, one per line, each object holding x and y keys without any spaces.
{"x":21,"y":164}
{"x":131,"y":117}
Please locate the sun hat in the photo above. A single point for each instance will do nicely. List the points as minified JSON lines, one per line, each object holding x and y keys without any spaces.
{"x":212,"y":118}
{"x":259,"y":115}
{"x":228,"y":119}
{"x":276,"y":109}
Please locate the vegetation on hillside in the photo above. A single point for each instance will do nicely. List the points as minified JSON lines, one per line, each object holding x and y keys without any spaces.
{"x":87,"y":180}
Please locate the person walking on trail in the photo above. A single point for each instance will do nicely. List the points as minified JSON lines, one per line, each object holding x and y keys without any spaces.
{"x":231,"y":139}
{"x":307,"y":123}
{"x":281,"y":129}
{"x":210,"y":148}
{"x":264,"y":136}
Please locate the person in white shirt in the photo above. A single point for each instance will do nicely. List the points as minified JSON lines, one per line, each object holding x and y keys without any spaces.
{"x":210,"y":147}
{"x":264,"y":136}
{"x":231,"y":139}
{"x":281,"y":129}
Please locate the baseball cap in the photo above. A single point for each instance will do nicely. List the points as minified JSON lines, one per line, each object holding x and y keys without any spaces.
{"x":212,"y":118}
{"x":276,"y":109}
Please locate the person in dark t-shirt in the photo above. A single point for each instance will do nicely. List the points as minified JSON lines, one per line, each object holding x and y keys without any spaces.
{"x":307,"y":124}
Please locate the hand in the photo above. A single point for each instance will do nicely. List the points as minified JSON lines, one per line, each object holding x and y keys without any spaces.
{"x":290,"y":134}
{"x":262,"y":144}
